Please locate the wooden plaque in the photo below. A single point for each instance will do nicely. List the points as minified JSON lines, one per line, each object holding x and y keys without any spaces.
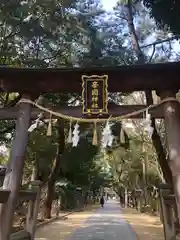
{"x":95,"y":94}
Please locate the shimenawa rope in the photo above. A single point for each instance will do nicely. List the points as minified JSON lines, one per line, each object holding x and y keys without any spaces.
{"x":95,"y":120}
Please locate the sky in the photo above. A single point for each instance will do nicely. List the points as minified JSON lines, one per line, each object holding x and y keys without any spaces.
{"x":109,"y":4}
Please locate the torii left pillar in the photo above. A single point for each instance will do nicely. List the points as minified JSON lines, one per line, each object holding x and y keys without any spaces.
{"x":172,"y":127}
{"x":15,"y":167}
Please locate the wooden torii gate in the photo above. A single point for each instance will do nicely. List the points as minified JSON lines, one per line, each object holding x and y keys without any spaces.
{"x":30,"y":83}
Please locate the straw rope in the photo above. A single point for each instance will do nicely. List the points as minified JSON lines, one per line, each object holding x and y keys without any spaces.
{"x":95,"y":120}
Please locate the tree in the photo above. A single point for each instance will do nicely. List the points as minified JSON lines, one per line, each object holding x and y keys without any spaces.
{"x":134,"y":170}
{"x":128,"y":12}
{"x":166,"y":14}
{"x":78,"y":163}
{"x":77,"y":33}
{"x":7,"y":100}
{"x":74,"y":165}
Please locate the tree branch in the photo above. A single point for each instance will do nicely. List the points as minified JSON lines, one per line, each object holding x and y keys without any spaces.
{"x":152,"y":54}
{"x":176,"y":37}
{"x":134,"y":37}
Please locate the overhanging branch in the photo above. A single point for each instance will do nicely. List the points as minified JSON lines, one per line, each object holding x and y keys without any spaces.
{"x":176,"y":37}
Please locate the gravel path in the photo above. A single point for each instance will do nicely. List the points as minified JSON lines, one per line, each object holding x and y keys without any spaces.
{"x":106,"y":224}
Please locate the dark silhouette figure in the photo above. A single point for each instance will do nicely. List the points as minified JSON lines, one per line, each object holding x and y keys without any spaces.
{"x":85,"y":200}
{"x":102,"y":201}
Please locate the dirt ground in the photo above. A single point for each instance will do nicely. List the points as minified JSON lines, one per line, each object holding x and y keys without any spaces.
{"x":147,"y":227}
{"x":60,"y":229}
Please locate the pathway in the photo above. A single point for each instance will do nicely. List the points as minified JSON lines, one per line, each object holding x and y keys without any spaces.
{"x":146,"y":226}
{"x":105,"y":224}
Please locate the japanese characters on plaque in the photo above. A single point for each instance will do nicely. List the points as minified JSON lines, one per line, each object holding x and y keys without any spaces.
{"x":95,"y":94}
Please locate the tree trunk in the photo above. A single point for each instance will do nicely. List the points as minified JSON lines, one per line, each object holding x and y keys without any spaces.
{"x":126,"y":198}
{"x":49,"y":200}
{"x":145,"y":194}
{"x":55,"y":169}
{"x":155,"y":137}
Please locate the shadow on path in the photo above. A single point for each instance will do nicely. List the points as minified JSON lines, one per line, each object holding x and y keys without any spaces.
{"x":106,"y":224}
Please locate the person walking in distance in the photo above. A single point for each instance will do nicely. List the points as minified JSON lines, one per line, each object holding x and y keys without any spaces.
{"x":86,"y":200}
{"x":102,"y":201}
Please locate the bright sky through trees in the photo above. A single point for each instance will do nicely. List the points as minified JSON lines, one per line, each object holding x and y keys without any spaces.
{"x":108,"y":4}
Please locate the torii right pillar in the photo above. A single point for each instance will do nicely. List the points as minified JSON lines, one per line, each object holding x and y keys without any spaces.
{"x":172,"y":128}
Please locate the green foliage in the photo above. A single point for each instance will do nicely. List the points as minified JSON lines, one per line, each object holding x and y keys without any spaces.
{"x":78,"y":33}
{"x":69,"y":197}
{"x":6,"y":127}
{"x":166,"y":13}
{"x":79,"y":163}
{"x":3,"y":159}
{"x":127,"y":166}
{"x":41,"y":152}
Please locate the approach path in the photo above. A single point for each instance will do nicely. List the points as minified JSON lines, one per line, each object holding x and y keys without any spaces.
{"x":105,"y":224}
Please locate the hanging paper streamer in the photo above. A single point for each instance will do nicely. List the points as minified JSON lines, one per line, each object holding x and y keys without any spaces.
{"x":33,"y":127}
{"x":49,"y":130}
{"x":110,"y":142}
{"x":147,"y":122}
{"x":148,"y":116}
{"x":35,"y":124}
{"x":122,"y":136}
{"x":143,"y":148}
{"x":69,"y":140}
{"x":95,"y":137}
{"x":150,"y":131}
{"x":75,"y":138}
{"x":107,"y":138}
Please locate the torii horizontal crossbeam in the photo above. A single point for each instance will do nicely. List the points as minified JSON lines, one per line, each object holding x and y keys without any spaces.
{"x":161,"y":76}
{"x":76,"y":111}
